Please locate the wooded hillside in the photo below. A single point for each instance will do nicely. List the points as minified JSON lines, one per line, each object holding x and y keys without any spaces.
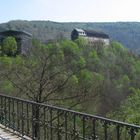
{"x":94,"y":79}
{"x":128,"y":33}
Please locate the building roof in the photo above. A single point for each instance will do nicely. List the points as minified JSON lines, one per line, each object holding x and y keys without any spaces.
{"x":79,"y":30}
{"x":96,"y":34}
{"x":15,"y":32}
{"x":91,"y":33}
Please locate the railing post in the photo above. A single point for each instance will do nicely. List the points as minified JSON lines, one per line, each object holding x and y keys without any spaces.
{"x":1,"y":110}
{"x":22,"y":117}
{"x":83,"y":119}
{"x":94,"y":129}
{"x":105,"y":130}
{"x":118,"y":132}
{"x":132,"y":133}
{"x":35,"y":122}
{"x":51,"y":130}
{"x":65,"y":118}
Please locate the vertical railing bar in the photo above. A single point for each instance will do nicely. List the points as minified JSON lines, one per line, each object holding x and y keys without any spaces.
{"x":83,"y":127}
{"x":58,"y":125}
{"x":105,"y":130}
{"x":74,"y":125}
{"x":5,"y":112}
{"x":51,"y":136}
{"x":33,"y":122}
{"x":65,"y":125}
{"x":94,"y":129}
{"x":44,"y":112}
{"x":27,"y":115}
{"x":38,"y":121}
{"x":74,"y":122}
{"x":13,"y":112}
{"x":18,"y":123}
{"x":22,"y":121}
{"x":48,"y":125}
{"x":118,"y":132}
{"x":2,"y":110}
{"x":9,"y":110}
{"x":132,"y":133}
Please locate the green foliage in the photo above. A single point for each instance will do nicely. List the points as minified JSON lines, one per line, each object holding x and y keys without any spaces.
{"x":97,"y":75}
{"x":7,"y":87}
{"x":131,"y":107}
{"x":81,"y":62}
{"x":9,"y":46}
{"x":123,"y":81}
{"x":69,"y":47}
{"x":81,"y":42}
{"x":6,"y":61}
{"x":86,"y":75}
{"x":93,"y":54}
{"x":129,"y":110}
{"x":74,"y":79}
{"x":117,"y":46}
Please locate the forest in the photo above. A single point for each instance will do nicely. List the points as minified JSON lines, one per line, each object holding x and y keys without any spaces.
{"x":96,"y":79}
{"x":127,"y":33}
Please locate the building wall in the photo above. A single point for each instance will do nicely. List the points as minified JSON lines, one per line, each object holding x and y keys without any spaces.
{"x":92,"y":40}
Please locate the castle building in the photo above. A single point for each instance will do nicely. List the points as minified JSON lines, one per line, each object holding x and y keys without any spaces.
{"x":91,"y":36}
{"x":20,"y":36}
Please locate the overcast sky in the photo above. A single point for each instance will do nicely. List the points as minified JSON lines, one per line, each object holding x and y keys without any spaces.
{"x":70,"y":10}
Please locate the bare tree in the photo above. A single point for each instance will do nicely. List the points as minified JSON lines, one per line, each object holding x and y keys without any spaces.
{"x":45,"y":74}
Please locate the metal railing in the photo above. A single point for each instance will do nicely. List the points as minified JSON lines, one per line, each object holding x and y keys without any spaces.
{"x":46,"y":122}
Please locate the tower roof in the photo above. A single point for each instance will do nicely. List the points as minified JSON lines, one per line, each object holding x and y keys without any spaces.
{"x":15,"y":33}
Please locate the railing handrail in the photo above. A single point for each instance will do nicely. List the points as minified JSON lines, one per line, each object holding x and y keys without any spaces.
{"x":75,"y":112}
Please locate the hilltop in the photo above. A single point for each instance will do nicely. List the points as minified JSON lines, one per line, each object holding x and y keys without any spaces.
{"x":128,"y":33}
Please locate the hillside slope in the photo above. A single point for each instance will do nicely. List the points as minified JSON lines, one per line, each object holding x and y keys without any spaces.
{"x":128,"y":33}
